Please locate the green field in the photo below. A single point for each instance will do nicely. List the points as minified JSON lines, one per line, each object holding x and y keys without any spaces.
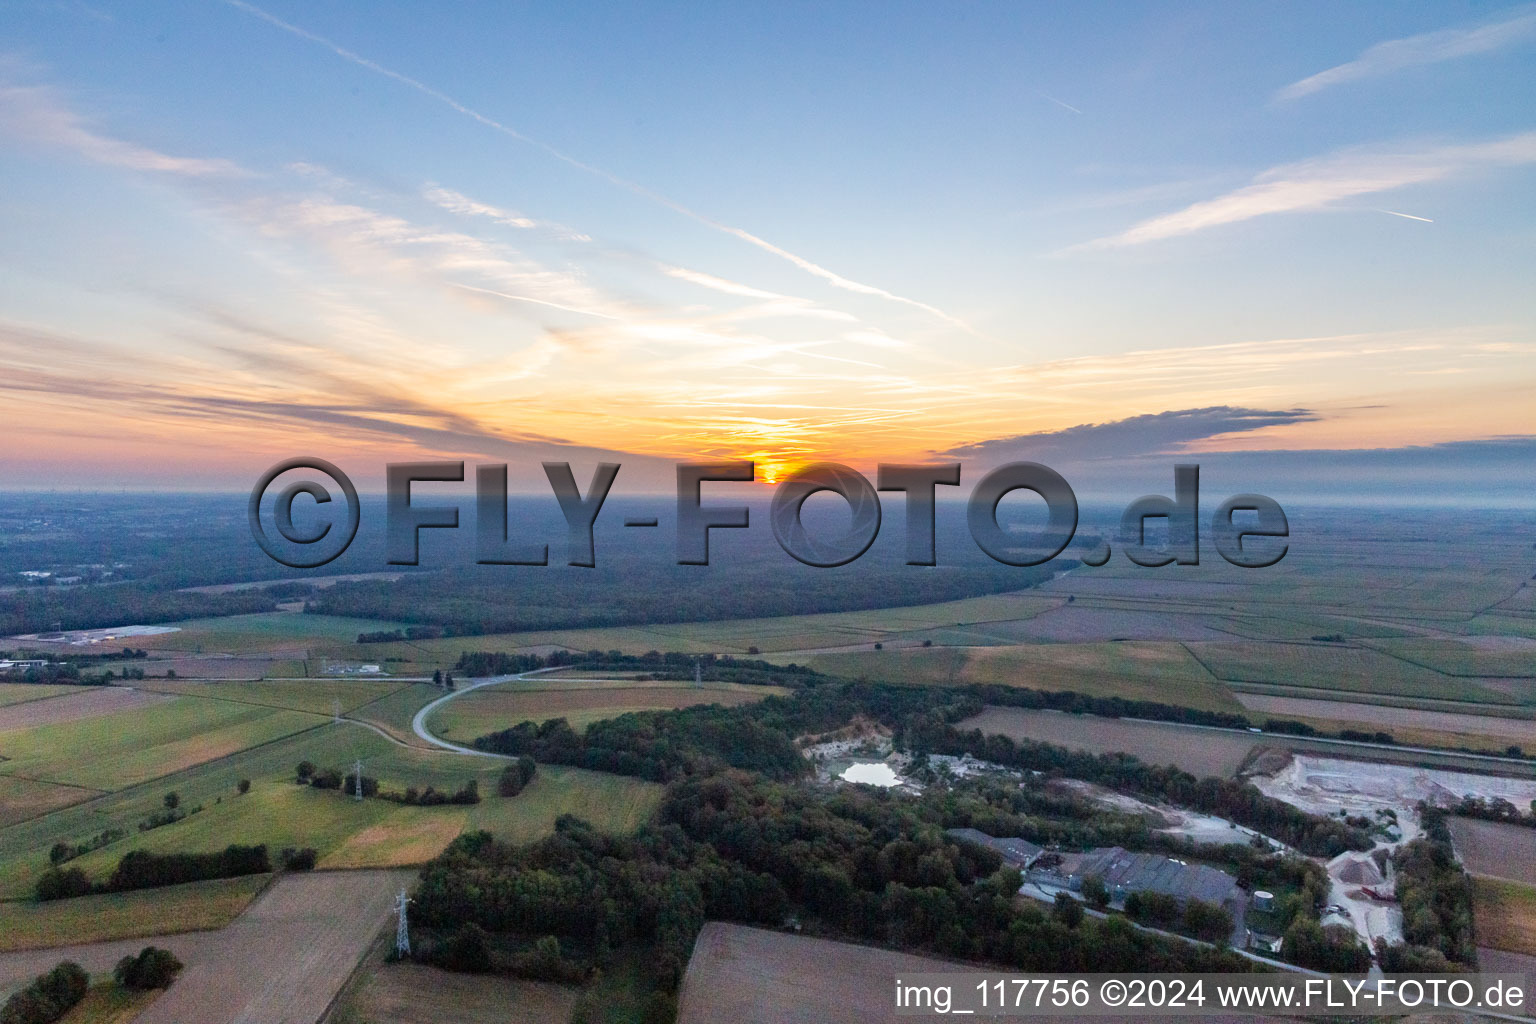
{"x":1134,"y":670}
{"x":20,"y":693}
{"x":126,"y":915}
{"x":121,"y":749}
{"x":317,"y":696}
{"x":1472,"y":656}
{"x":1338,"y":667}
{"x":394,"y":713}
{"x":21,"y":799}
{"x":280,"y":813}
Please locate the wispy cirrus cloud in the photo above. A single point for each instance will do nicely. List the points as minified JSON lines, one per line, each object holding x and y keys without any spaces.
{"x":1319,"y":183}
{"x":809,"y":266}
{"x":37,"y":114}
{"x":1415,"y":51}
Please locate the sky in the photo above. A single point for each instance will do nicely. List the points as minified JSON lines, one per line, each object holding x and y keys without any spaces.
{"x":1108,"y":236}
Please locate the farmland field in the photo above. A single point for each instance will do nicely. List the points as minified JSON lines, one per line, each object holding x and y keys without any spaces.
{"x":20,"y":693}
{"x":1496,"y":849}
{"x":491,"y":708}
{"x":1467,"y":656}
{"x":394,"y":713}
{"x":280,"y":813}
{"x":177,"y":908}
{"x":318,"y":696}
{"x":746,"y":974}
{"x":1506,"y":915}
{"x":1379,"y":716}
{"x":87,"y":703}
{"x":1337,"y":667}
{"x":21,"y":799}
{"x":1200,"y":752}
{"x":1134,"y":670}
{"x":405,"y":993}
{"x":133,"y":746}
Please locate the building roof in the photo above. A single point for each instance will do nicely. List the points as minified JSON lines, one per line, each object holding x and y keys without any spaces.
{"x":1019,"y":852}
{"x":1150,"y":872}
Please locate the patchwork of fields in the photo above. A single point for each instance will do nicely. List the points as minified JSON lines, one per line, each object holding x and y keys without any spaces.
{"x":71,"y":772}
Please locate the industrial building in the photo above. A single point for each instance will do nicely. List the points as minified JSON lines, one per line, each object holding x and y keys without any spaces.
{"x":1017,"y":853}
{"x":1124,"y":872}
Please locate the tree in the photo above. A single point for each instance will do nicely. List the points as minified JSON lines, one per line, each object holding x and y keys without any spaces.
{"x":244,"y":786}
{"x":437,"y":677}
{"x":172,"y":800}
{"x":306,"y":770}
{"x":468,"y":950}
{"x":60,"y":853}
{"x":448,"y":681}
{"x":1067,"y":910}
{"x":152,"y":968}
{"x":1207,"y":921}
{"x":1096,"y":892}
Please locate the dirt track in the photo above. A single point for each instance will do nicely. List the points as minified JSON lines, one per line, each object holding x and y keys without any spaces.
{"x":100,"y":700}
{"x":281,"y":962}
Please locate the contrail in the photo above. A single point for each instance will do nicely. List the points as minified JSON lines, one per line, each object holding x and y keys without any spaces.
{"x":529,"y":298}
{"x":1409,"y":216}
{"x":804,"y":264}
{"x":1059,"y":103}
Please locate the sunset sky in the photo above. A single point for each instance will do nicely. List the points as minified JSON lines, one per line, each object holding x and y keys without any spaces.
{"x":233,"y":233}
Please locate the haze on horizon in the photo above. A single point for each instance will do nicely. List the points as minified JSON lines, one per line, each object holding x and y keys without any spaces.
{"x":1282,"y":239}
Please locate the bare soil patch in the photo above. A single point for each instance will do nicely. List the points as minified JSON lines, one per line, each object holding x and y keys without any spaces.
{"x":748,"y":974}
{"x":402,"y":993}
{"x":1496,"y":849}
{"x":98,"y":700}
{"x":1198,"y":751}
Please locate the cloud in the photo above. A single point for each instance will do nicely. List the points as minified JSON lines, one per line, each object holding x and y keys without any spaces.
{"x":834,"y":279}
{"x":1318,"y":183}
{"x":1415,"y":51}
{"x":36,"y":114}
{"x":1151,"y":434}
{"x":457,"y":202}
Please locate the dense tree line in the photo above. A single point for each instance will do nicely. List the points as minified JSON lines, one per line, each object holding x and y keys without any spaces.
{"x":63,"y":852}
{"x":140,"y":869}
{"x":48,"y":997}
{"x":1435,"y":893}
{"x":471,"y":600}
{"x":332,"y":778}
{"x":1495,"y":809}
{"x":671,"y":665}
{"x":35,"y":611}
